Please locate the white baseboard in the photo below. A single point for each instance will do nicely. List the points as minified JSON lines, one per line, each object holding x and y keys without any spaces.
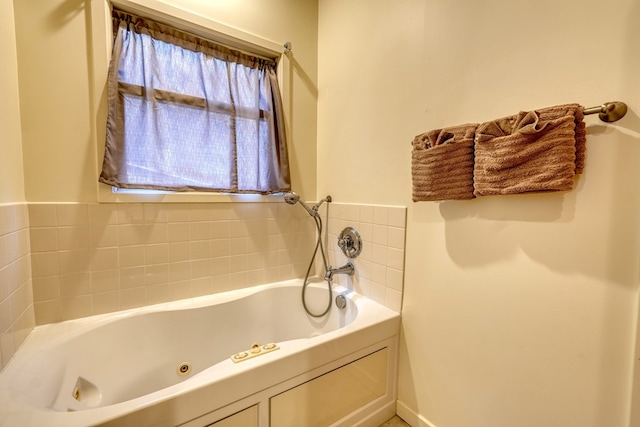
{"x":413,"y":419}
{"x":370,"y":415}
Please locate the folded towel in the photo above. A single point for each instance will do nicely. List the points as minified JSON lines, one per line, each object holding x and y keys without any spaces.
{"x":576,"y":111}
{"x":530,"y":152}
{"x":442,"y":164}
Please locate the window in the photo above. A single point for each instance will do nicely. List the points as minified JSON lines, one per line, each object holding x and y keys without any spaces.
{"x":186,"y":114}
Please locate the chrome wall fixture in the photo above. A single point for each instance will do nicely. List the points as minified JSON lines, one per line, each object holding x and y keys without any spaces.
{"x":350,"y":242}
{"x":609,"y":111}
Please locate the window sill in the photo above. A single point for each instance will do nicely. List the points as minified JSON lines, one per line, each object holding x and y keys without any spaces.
{"x":108,"y":195}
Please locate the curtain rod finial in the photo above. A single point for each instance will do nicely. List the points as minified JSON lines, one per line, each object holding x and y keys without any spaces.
{"x":287,"y":48}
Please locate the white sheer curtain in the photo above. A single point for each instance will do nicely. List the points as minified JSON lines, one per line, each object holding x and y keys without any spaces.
{"x":186,"y":114}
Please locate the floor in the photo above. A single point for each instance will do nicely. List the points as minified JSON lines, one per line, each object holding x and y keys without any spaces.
{"x":395,"y":422}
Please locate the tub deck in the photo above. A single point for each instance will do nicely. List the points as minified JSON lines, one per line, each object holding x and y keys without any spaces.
{"x":216,"y":391}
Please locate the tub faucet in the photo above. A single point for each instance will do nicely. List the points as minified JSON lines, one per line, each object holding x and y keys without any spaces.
{"x":345,"y":269}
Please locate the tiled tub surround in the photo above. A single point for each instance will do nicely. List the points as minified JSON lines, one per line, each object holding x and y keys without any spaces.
{"x":380,"y":266}
{"x":96,"y":258}
{"x":16,"y":300}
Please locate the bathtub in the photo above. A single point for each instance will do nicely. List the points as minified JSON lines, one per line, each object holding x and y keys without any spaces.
{"x":194,"y":362}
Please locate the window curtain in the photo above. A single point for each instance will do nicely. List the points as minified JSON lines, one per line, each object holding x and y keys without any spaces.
{"x":186,"y":114}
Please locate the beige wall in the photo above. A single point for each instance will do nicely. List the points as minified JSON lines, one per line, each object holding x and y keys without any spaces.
{"x":54,"y":101}
{"x":16,"y":306}
{"x":11,"y":173}
{"x":63,"y":108}
{"x":518,"y":310}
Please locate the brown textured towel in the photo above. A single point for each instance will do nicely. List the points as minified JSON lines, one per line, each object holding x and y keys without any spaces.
{"x":442,"y":164}
{"x":532,"y":151}
{"x":575,"y":110}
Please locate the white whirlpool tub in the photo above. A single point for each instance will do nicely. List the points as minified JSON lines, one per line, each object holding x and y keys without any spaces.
{"x":250,"y":357}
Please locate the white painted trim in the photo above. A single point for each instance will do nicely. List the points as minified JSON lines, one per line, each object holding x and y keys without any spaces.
{"x":144,"y":196}
{"x":412,"y":418}
{"x":197,"y":24}
{"x":634,"y":404}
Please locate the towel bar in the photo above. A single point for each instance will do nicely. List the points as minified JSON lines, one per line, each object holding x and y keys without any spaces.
{"x":609,"y":111}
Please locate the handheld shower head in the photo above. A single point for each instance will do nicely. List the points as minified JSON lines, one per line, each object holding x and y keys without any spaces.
{"x":292,"y":198}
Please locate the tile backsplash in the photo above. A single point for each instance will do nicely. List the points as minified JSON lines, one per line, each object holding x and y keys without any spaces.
{"x":97,"y":258}
{"x":16,"y":298}
{"x":380,"y":266}
{"x":61,"y":261}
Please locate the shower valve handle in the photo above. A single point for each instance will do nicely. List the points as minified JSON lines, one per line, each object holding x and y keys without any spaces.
{"x":350,"y":242}
{"x":345,"y":243}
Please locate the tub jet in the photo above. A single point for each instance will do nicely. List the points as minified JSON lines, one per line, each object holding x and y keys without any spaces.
{"x":184,"y":368}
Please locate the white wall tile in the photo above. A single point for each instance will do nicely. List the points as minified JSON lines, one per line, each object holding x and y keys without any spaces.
{"x":103,"y":214}
{"x":75,"y":284}
{"x":46,"y":288}
{"x":132,"y":277}
{"x":133,"y":297}
{"x":143,"y":253}
{"x":42,"y":215}
{"x":380,"y":265}
{"x":201,"y":230}
{"x":101,"y":236}
{"x":156,"y":233}
{"x":380,"y":235}
{"x":6,"y":319}
{"x":47,"y":311}
{"x":105,"y":302}
{"x":133,"y":234}
{"x":73,"y":237}
{"x":157,"y":253}
{"x":105,"y":281}
{"x":179,"y":251}
{"x":44,"y":239}
{"x":179,"y":271}
{"x":131,"y":213}
{"x":178,"y":212}
{"x":200,"y":268}
{"x":397,"y":216}
{"x":179,"y":232}
{"x":366,"y":214}
{"x":45,"y":264}
{"x":396,"y":238}
{"x":79,"y":306}
{"x":156,"y":274}
{"x":158,"y":293}
{"x":131,"y":256}
{"x":381,"y":215}
{"x":72,"y":214}
{"x":395,"y":258}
